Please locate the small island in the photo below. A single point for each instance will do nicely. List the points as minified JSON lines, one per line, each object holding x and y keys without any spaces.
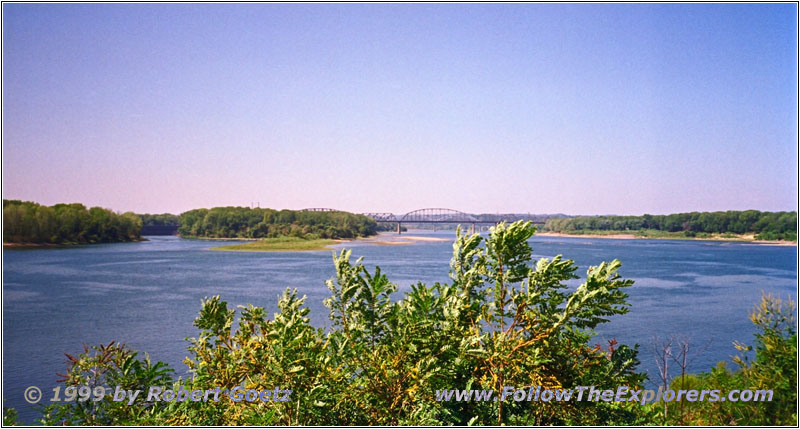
{"x":274,"y":230}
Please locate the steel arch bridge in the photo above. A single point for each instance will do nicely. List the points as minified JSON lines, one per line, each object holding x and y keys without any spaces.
{"x":430,"y":215}
{"x":441,"y":215}
{"x":438,"y":215}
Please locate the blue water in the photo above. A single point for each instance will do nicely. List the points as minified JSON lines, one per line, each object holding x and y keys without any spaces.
{"x":147,"y":294}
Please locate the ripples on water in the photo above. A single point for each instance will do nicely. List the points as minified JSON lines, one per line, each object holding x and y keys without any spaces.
{"x":147,"y":294}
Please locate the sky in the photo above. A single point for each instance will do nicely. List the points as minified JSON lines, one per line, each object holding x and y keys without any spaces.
{"x":482,"y":108}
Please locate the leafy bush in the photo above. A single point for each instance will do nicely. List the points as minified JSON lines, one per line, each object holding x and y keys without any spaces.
{"x":112,"y":365}
{"x":774,"y":368}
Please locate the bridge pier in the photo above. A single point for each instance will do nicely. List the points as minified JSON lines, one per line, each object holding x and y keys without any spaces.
{"x":398,"y":228}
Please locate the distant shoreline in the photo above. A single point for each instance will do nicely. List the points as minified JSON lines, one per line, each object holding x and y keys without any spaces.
{"x":740,"y":239}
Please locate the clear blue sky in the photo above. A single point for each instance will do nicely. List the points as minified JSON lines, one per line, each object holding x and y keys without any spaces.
{"x":542,"y":108}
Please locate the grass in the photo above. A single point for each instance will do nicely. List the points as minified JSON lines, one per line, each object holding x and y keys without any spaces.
{"x":281,"y":244}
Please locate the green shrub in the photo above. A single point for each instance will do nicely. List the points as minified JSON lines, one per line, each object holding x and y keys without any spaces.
{"x":773,"y":368}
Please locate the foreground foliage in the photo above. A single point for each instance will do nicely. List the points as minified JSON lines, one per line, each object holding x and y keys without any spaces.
{"x":29,"y":222}
{"x":502,"y":320}
{"x":774,"y":367}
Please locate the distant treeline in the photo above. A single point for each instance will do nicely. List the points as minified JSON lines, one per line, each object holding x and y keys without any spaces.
{"x":765,"y":225}
{"x":29,"y":222}
{"x":245,"y":222}
{"x":165,"y":219}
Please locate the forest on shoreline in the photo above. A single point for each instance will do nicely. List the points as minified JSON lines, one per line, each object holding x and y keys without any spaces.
{"x":29,"y":223}
{"x":762,"y":225}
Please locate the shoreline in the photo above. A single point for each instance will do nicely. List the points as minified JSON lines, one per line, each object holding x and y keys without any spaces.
{"x":218,"y":239}
{"x":636,"y":237}
{"x":15,"y":245}
{"x":392,"y":239}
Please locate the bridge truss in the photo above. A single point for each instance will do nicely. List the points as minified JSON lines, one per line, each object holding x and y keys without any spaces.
{"x":381,"y":217}
{"x":319,"y":209}
{"x":438,"y":215}
{"x":432,"y":215}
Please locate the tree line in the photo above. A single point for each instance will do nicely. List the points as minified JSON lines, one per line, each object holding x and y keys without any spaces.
{"x":165,"y":219}
{"x":246,"y":222}
{"x":764,"y":225}
{"x":29,"y":222}
{"x":502,"y":319}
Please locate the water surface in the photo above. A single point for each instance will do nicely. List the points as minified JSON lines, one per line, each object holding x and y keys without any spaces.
{"x":147,"y":294}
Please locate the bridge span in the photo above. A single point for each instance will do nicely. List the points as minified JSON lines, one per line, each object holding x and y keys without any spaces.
{"x":436,"y":215}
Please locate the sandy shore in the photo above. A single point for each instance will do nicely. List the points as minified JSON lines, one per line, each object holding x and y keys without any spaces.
{"x":399,"y":240}
{"x":33,"y":245}
{"x":222,"y":239}
{"x":616,"y":236}
{"x":744,"y":239}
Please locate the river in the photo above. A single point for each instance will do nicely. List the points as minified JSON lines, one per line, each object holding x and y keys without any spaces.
{"x":147,"y":294}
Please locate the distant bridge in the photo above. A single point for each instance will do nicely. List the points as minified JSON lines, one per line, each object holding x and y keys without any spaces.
{"x":434,"y":215}
{"x":319,"y":209}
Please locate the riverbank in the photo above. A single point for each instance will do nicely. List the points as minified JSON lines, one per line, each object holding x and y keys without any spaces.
{"x":400,"y":240}
{"x":192,"y":237}
{"x":60,"y":245}
{"x":35,"y":245}
{"x":618,"y":235}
